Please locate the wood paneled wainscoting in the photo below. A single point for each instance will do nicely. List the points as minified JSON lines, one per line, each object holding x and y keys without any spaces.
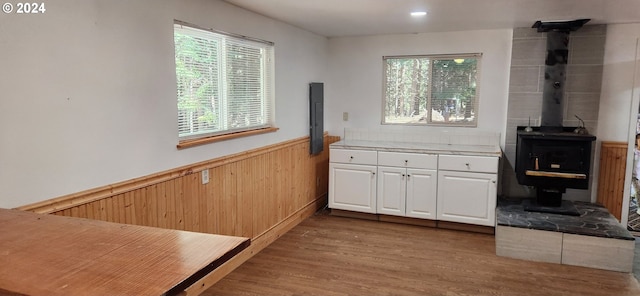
{"x":613,"y":163}
{"x":261,"y":194}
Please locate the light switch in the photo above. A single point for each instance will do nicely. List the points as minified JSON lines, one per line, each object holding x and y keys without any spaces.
{"x":345,"y":116}
{"x":205,"y":176}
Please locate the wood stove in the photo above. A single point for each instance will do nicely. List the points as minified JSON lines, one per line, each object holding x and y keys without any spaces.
{"x":552,"y":157}
{"x":553,"y":162}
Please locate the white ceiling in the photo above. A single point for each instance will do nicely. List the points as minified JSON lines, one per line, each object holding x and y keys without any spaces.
{"x":333,"y":18}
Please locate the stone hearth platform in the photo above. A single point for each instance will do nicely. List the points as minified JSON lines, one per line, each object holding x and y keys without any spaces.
{"x":594,"y":239}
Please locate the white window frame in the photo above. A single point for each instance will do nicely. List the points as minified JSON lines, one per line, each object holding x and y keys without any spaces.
{"x":429,"y":121}
{"x":265,"y":112}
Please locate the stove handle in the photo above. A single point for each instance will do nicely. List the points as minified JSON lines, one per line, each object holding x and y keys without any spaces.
{"x":536,"y":163}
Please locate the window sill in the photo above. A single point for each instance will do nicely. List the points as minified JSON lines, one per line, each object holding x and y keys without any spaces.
{"x":195,"y":142}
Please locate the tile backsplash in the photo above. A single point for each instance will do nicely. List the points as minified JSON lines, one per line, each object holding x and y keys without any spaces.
{"x":465,"y":137}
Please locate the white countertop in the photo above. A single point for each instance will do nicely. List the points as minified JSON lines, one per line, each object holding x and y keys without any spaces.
{"x":428,"y":148}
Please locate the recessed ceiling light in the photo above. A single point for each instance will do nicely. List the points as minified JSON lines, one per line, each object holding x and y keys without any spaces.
{"x":418,"y":13}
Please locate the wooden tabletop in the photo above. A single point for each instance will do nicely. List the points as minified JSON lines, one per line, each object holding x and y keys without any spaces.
{"x":55,"y":255}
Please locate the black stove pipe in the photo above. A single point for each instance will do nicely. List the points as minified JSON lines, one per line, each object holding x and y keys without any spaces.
{"x":554,"y":77}
{"x":555,"y":71}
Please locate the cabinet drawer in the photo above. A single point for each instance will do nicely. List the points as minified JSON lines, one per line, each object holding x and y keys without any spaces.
{"x":409,"y":160}
{"x":482,"y":164}
{"x":353,"y":156}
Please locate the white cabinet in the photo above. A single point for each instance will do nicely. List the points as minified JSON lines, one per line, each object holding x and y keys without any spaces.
{"x":455,"y":188}
{"x":352,"y":180}
{"x":467,"y":189}
{"x":408,"y":187}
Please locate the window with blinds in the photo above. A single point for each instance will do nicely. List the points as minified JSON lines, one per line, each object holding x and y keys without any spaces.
{"x":431,"y":90}
{"x":224,"y":82}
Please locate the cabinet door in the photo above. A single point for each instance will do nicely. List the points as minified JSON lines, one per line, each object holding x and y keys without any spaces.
{"x":352,"y":187}
{"x":421,"y":193}
{"x":467,"y":197}
{"x":391,"y":190}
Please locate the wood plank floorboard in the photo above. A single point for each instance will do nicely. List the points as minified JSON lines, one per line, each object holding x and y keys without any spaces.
{"x":328,"y":255}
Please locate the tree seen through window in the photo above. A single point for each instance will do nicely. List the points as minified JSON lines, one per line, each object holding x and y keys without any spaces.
{"x":431,"y":90}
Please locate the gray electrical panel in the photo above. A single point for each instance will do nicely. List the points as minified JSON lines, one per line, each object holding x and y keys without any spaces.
{"x":316,"y":116}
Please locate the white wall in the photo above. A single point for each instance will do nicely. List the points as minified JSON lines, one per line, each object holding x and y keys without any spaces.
{"x":355,"y":82}
{"x":620,"y":96}
{"x":617,"y":82}
{"x":88,"y":95}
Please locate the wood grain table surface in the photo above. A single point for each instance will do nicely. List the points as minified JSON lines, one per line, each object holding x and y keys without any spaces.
{"x":55,"y":255}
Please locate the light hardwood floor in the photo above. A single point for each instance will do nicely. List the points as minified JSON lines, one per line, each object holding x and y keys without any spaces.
{"x":327,"y":255}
